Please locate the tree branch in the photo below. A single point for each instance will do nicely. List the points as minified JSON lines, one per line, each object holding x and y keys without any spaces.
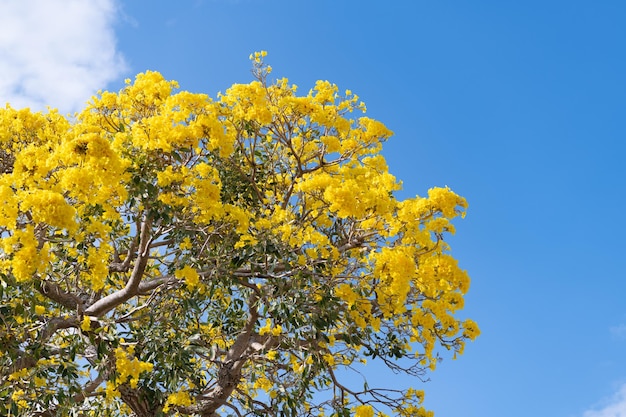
{"x":52,"y":291}
{"x":229,"y":373}
{"x":55,"y":324}
{"x":106,"y":304}
{"x":118,"y":266}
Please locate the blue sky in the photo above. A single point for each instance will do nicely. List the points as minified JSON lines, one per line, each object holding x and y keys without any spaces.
{"x":518,"y":106}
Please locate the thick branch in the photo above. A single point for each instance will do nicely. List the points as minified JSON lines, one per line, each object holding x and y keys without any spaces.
{"x":148,"y":286}
{"x":230,"y":370}
{"x":55,"y":293}
{"x":108,"y":303}
{"x":55,"y":324}
{"x":136,"y":399}
{"x":88,"y":389}
{"x":118,"y":266}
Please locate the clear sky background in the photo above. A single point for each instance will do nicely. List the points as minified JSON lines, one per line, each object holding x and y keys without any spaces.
{"x":518,"y":105}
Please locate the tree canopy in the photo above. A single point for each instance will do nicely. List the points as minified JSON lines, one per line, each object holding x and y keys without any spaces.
{"x":166,"y":253}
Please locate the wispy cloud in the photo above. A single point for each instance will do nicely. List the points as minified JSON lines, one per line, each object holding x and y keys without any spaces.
{"x":56,"y":52}
{"x":618,"y":331}
{"x":613,"y":407}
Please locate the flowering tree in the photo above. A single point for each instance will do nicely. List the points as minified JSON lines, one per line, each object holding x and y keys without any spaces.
{"x":163,"y":253}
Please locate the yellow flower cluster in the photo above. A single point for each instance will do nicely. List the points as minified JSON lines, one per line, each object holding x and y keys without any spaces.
{"x":363,"y":411}
{"x":181,"y":398}
{"x":85,"y":325}
{"x":264,"y":384}
{"x":17,"y":375}
{"x":26,"y":260}
{"x":258,"y":56}
{"x":269,"y":329}
{"x":18,"y":397}
{"x":190,"y":276}
{"x":49,"y":207}
{"x":128,"y":367}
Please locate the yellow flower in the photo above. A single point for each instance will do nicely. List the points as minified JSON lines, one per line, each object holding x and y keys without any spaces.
{"x":22,"y":373}
{"x":17,"y":396}
{"x":129,"y":369}
{"x":276,"y":331}
{"x":177,"y":398}
{"x":263,"y":383}
{"x":190,"y":276}
{"x":345,"y":292}
{"x":40,"y":310}
{"x":266,"y":329}
{"x":185,"y":244}
{"x":364,"y":411}
{"x":470,"y":329}
{"x":111,"y":391}
{"x":86,"y":324}
{"x":330,"y":359}
{"x":51,"y":208}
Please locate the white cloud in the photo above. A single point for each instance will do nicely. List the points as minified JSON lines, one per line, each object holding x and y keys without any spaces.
{"x":614,"y":407}
{"x":56,"y":53}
